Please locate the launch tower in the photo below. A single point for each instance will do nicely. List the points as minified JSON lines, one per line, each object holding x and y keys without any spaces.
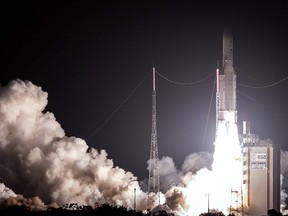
{"x":153,"y":181}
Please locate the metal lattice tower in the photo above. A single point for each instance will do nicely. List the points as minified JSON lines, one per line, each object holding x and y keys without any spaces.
{"x":153,"y":181}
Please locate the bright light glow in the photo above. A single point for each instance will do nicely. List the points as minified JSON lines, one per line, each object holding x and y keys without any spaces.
{"x":219,"y":188}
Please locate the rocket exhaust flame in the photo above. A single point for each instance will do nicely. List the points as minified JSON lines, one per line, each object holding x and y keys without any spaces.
{"x":214,"y":186}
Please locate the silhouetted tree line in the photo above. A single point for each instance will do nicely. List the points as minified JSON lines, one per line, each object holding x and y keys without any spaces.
{"x":270,"y":212}
{"x":273,"y":212}
{"x":75,"y":210}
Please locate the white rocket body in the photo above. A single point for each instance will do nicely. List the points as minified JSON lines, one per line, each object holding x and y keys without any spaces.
{"x":226,"y":84}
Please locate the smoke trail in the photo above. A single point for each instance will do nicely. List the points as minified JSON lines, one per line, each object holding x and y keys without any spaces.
{"x":37,"y":159}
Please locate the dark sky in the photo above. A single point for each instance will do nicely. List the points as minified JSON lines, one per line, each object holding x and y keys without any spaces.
{"x":90,"y":57}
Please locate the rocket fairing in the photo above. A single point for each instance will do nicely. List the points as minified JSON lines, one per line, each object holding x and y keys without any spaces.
{"x":227,"y":48}
{"x":226,"y":83}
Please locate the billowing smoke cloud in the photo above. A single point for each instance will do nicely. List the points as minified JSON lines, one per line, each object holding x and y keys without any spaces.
{"x":196,"y":161}
{"x":170,"y":176}
{"x":8,"y":197}
{"x":176,"y":200}
{"x":6,"y":192}
{"x":168,"y":173}
{"x":174,"y":182}
{"x":37,"y":159}
{"x":40,"y":166}
{"x":34,"y":203}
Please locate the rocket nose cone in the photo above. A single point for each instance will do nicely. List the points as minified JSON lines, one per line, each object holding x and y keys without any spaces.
{"x":227,"y":32}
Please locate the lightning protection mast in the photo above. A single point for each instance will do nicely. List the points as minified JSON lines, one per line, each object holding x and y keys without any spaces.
{"x":153,"y":181}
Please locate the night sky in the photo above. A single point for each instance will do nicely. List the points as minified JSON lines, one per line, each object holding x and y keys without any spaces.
{"x":95,"y":61}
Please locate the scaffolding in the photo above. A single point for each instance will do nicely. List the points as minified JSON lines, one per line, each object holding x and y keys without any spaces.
{"x":236,"y":206}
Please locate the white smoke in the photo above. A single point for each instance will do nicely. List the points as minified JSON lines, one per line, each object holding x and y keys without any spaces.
{"x":5,"y":192}
{"x":9,"y":198}
{"x":168,"y":173}
{"x":170,"y":176}
{"x":174,"y":182}
{"x":196,"y":161}
{"x":176,"y":199}
{"x":34,"y":203}
{"x":37,"y":159}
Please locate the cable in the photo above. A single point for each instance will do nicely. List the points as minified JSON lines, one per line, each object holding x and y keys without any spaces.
{"x":283,"y":119}
{"x":181,"y":83}
{"x":126,"y":99}
{"x":265,"y":86}
{"x":119,"y":107}
{"x":248,"y":75}
{"x":247,"y":96}
{"x":209,"y":111}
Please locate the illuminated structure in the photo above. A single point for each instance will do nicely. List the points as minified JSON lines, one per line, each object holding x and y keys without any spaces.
{"x":261,"y":171}
{"x":153,"y":181}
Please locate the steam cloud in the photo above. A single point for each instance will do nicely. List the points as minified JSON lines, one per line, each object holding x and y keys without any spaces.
{"x":37,"y":159}
{"x":39,"y":164}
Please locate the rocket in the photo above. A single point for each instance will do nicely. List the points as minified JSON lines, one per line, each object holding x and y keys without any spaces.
{"x":226,"y":101}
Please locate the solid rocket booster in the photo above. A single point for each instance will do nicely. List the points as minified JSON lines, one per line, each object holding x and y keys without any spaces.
{"x":227,"y":82}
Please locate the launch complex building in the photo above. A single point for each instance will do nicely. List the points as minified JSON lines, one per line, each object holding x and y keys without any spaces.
{"x":261,"y":173}
{"x":261,"y":161}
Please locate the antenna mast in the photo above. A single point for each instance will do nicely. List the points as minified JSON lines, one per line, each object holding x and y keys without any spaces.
{"x":153,"y":181}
